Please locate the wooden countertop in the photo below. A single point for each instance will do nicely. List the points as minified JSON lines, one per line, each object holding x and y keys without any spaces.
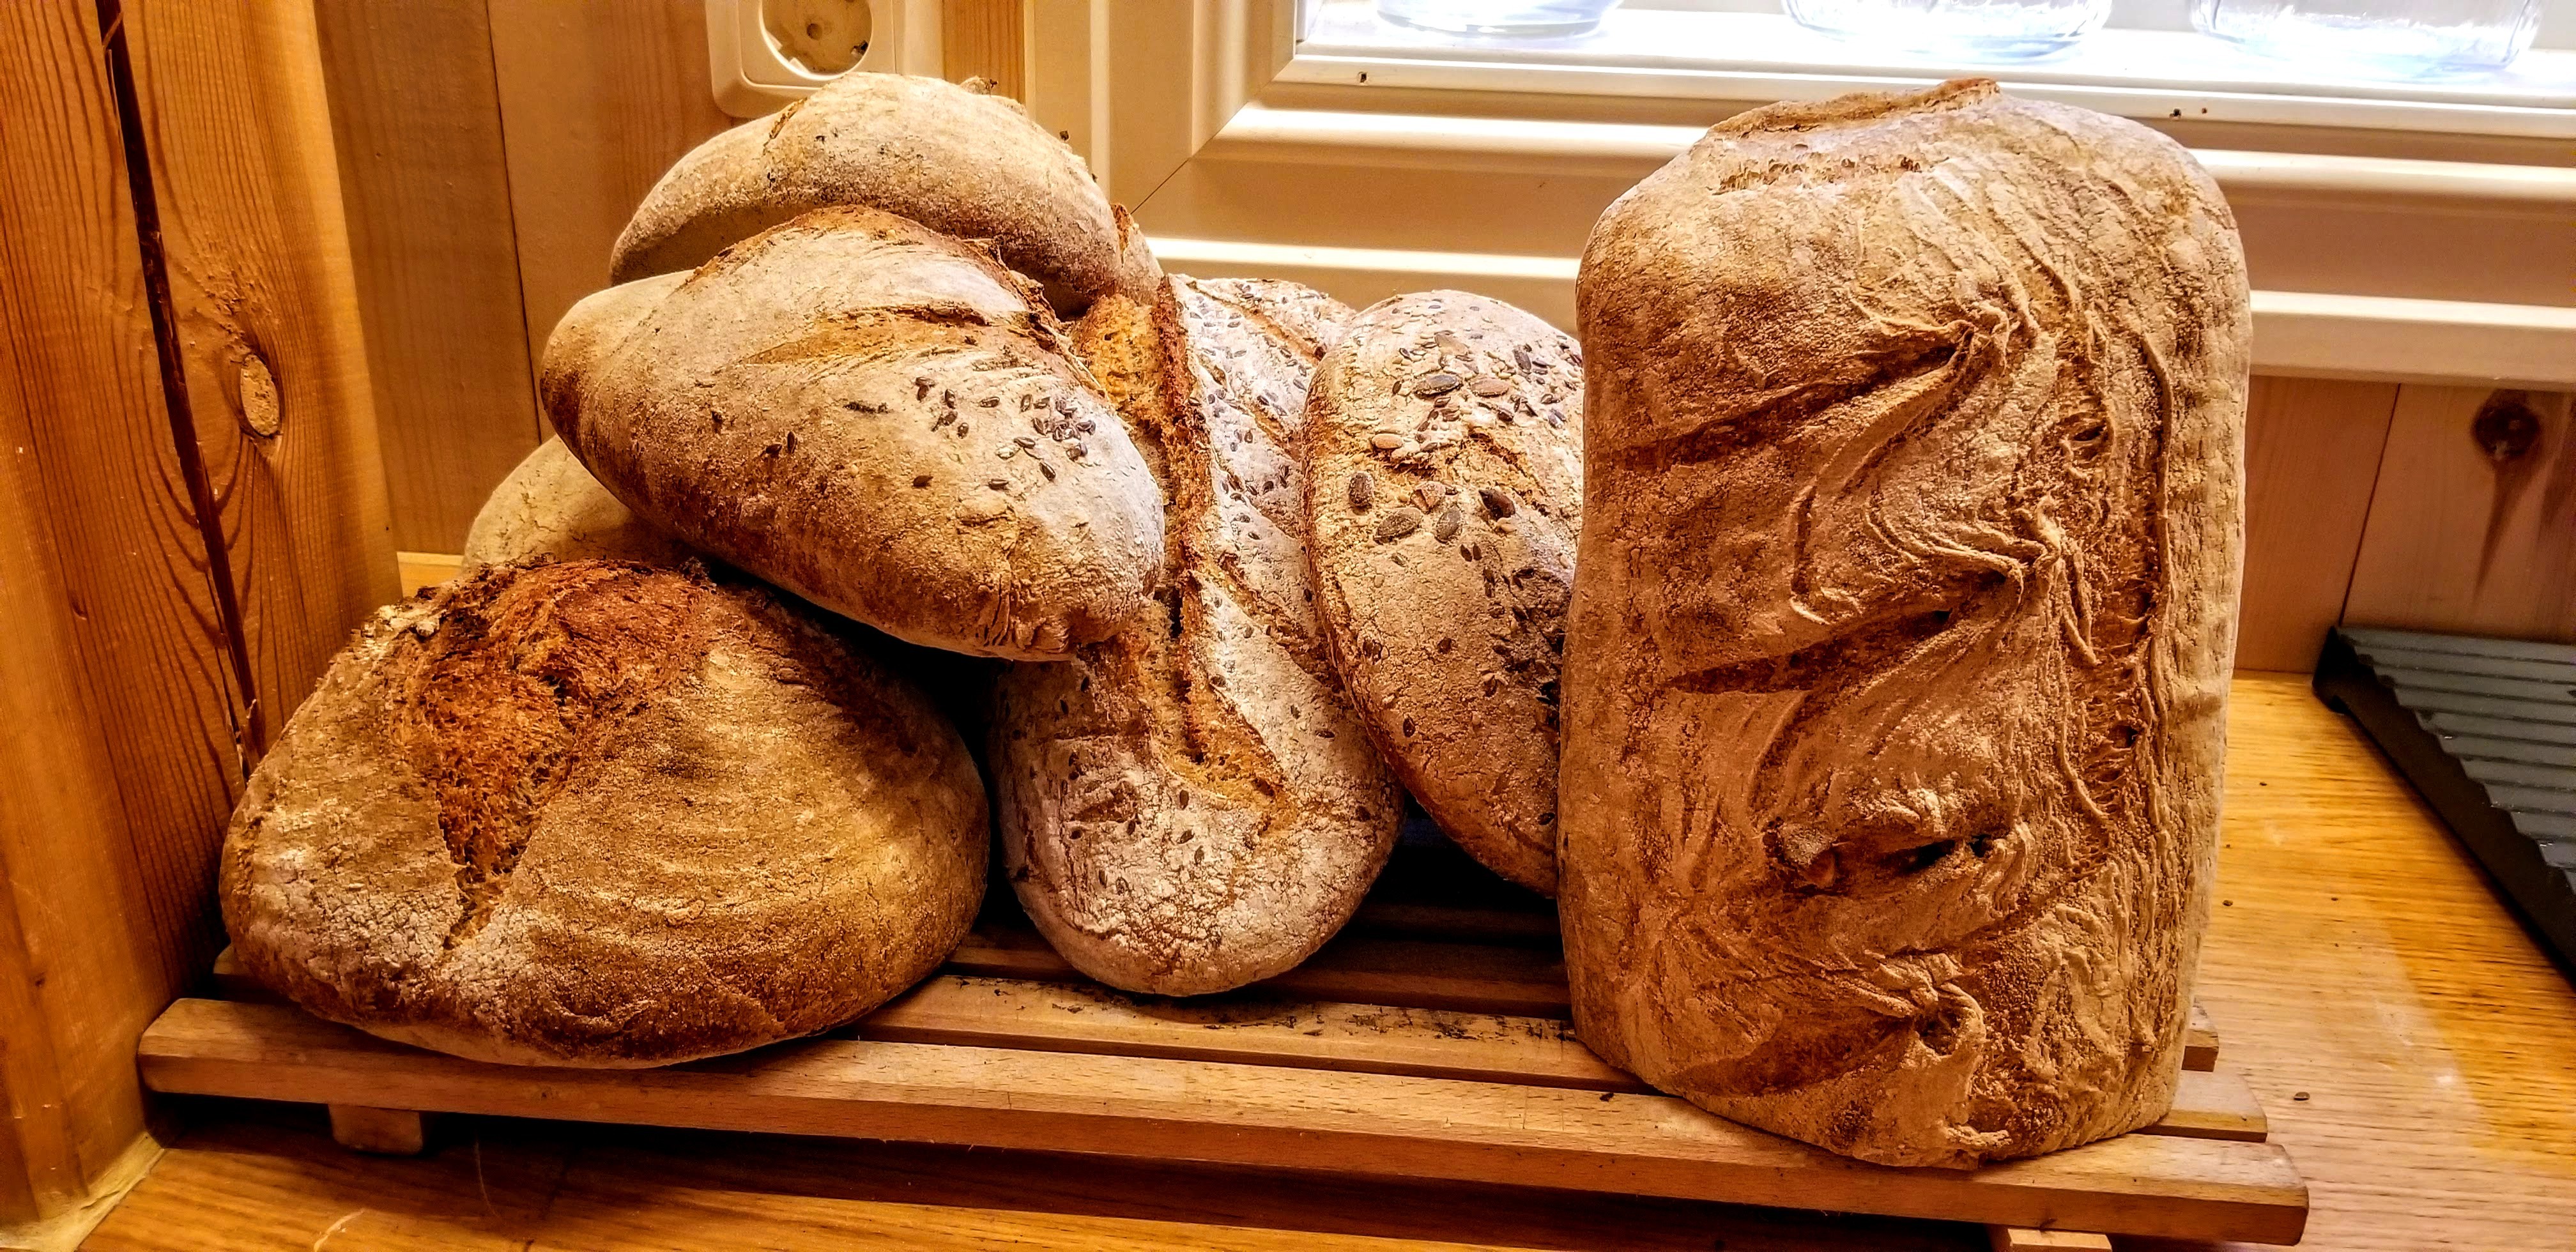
{"x":2414,"y":1047}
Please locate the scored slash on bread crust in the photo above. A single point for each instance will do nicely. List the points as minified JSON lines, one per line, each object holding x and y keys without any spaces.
{"x":1444,"y":458}
{"x":965,"y":164}
{"x":877,"y":417}
{"x":595,"y":813}
{"x":1899,"y":648}
{"x":1191,"y":807}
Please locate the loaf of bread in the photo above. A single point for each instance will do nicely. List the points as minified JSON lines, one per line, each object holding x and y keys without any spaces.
{"x":964,"y":164}
{"x":551,"y":507}
{"x":1444,"y":447}
{"x":877,"y":417}
{"x":1191,"y":806}
{"x":1899,"y":647}
{"x":595,"y":813}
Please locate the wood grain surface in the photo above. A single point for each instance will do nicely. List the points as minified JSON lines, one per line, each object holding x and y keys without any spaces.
{"x":88,"y":462}
{"x":598,"y":97}
{"x":416,"y":116}
{"x":2312,"y":455}
{"x":194,"y":503}
{"x":2473,"y":527}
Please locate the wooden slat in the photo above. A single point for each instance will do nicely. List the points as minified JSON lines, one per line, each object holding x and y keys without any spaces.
{"x":2199,"y":1041}
{"x":1192,"y":1110}
{"x":2020,"y":1239}
{"x":1359,"y":969}
{"x":2312,"y":449}
{"x":418,"y":125}
{"x":424,"y":569}
{"x":2469,"y":525}
{"x":389,"y":1132}
{"x":1361,"y":1038}
{"x":598,"y":97}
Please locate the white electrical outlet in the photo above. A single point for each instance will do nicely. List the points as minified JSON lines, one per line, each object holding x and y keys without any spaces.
{"x":765,"y":54}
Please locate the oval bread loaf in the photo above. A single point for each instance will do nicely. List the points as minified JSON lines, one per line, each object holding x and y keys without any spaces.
{"x":1191,"y":806}
{"x":964,"y":164}
{"x":593,"y":813}
{"x":877,"y":417}
{"x":551,"y":507}
{"x":1444,"y":462}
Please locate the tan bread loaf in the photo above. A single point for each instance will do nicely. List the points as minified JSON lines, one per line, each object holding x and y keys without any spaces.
{"x":1444,"y":448}
{"x":550,"y":506}
{"x":600,"y":814}
{"x":1900,"y":639}
{"x":878,"y":418}
{"x":964,"y":164}
{"x":1191,"y":806}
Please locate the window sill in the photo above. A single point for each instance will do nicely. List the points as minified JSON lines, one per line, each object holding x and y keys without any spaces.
{"x":1698,"y":54}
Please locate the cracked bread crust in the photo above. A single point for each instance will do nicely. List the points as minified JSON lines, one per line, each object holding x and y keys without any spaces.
{"x":595,"y":813}
{"x":1191,"y":806}
{"x":877,"y":417}
{"x":1896,"y":696}
{"x":1444,"y":460}
{"x":962,"y":163}
{"x":549,"y":506}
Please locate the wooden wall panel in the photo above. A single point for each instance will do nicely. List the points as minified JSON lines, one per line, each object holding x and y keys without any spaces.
{"x":2312,"y":451}
{"x":193,"y":511}
{"x":598,"y":97}
{"x":2473,"y":525}
{"x":417,"y":120}
{"x":985,"y":39}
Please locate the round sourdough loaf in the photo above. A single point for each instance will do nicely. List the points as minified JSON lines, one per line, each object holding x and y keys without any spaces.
{"x":877,"y":417}
{"x":1444,"y":464}
{"x":551,"y":507}
{"x":599,"y":814}
{"x":1897,"y":687}
{"x":964,"y":164}
{"x":1191,"y":806}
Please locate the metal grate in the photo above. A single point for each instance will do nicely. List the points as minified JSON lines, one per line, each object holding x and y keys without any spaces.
{"x":2486,"y":730}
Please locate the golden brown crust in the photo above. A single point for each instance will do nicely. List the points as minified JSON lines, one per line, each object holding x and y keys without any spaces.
{"x":1191,"y":807}
{"x":1900,"y":641}
{"x":965,"y":164}
{"x":1444,"y":456}
{"x":550,"y":506}
{"x":595,"y":813}
{"x":879,"y":418}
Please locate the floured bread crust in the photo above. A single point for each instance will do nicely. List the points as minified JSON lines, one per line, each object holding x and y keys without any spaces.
{"x":1191,"y":806}
{"x":551,"y":507}
{"x":877,"y":417}
{"x":1899,"y":647}
{"x":595,"y":813}
{"x":1444,"y":449}
{"x":963,"y":163}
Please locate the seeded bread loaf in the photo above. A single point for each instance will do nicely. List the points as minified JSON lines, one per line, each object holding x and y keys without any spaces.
{"x":1900,"y":638}
{"x":1191,"y":806}
{"x":964,"y":164}
{"x":551,"y":507}
{"x":1444,"y":448}
{"x":595,"y":813}
{"x":877,"y":417}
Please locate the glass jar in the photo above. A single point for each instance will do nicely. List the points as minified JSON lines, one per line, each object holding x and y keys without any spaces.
{"x":1522,"y":18}
{"x":1976,"y":30}
{"x":2403,"y":37}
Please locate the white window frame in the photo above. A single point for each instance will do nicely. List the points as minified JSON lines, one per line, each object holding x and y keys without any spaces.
{"x":1144,"y":88}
